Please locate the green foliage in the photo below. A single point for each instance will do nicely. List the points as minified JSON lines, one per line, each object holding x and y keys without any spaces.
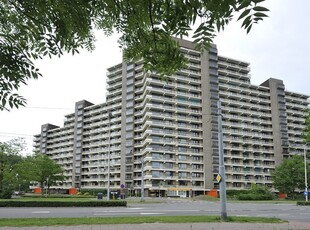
{"x":303,"y":203}
{"x":66,"y":221}
{"x":57,"y":203}
{"x":234,"y":193}
{"x":32,"y":29}
{"x":9,"y":158}
{"x":54,"y":196}
{"x":6,"y":193}
{"x":257,"y":193}
{"x":252,"y":196}
{"x":42,"y":169}
{"x":290,"y":175}
{"x":93,"y":192}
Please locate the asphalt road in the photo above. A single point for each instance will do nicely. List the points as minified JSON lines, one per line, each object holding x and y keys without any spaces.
{"x":290,"y":212}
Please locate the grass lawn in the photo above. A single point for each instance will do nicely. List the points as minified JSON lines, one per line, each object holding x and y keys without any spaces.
{"x":22,"y":222}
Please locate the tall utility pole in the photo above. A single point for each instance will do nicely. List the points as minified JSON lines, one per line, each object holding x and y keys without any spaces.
{"x":222,"y":180}
{"x":142,"y":179}
{"x":306,"y":183}
{"x":109,"y":143}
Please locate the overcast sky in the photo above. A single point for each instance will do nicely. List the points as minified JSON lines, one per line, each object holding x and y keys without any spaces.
{"x":278,"y":47}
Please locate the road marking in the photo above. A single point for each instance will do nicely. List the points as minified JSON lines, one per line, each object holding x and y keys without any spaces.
{"x":135,"y":208}
{"x":108,"y":211}
{"x":40,"y":212}
{"x":150,"y":213}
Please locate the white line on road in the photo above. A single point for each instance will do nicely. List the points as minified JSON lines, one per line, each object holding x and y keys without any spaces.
{"x":40,"y":212}
{"x":150,"y":213}
{"x":108,"y":211}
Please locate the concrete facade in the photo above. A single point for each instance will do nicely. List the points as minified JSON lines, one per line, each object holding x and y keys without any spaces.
{"x":171,"y":125}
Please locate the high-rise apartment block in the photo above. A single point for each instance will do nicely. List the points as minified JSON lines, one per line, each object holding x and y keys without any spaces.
{"x":170,"y":127}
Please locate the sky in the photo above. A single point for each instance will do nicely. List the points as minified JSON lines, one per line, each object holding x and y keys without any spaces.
{"x":278,"y":47}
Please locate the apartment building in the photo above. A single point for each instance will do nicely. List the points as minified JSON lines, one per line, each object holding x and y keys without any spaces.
{"x":169,"y":129}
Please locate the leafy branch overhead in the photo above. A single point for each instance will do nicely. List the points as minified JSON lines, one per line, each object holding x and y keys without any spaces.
{"x":32,"y":29}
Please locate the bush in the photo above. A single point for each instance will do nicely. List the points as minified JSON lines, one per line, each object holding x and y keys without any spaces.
{"x":6,"y":194}
{"x":56,"y":196}
{"x":257,"y":193}
{"x":303,"y":203}
{"x":42,"y":203}
{"x":233,"y":194}
{"x":295,"y":196}
{"x":253,"y":196}
{"x":93,"y":192}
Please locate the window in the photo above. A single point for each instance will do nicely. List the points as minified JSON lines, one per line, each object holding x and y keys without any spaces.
{"x":195,"y":150}
{"x":156,"y":147}
{"x":130,"y":89}
{"x":168,"y":165}
{"x":182,"y":166}
{"x":129,"y":96}
{"x":196,"y":158}
{"x":129,"y":104}
{"x":129,"y":142}
{"x":157,"y":165}
{"x":129,"y":119}
{"x":157,"y":139}
{"x":129,"y":134}
{"x":130,"y":81}
{"x":182,"y":133}
{"x":183,"y":175}
{"x":183,"y":149}
{"x":157,"y":174}
{"x":130,"y":67}
{"x":196,"y":175}
{"x":182,"y":124}
{"x":129,"y":127}
{"x":182,"y":157}
{"x":157,"y":130}
{"x":156,"y":156}
{"x":195,"y":166}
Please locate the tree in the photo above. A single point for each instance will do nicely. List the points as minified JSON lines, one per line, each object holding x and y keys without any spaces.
{"x":290,"y":175}
{"x":32,"y":29}
{"x":9,"y":157}
{"x":42,"y":169}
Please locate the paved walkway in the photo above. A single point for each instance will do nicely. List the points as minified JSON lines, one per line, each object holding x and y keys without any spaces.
{"x":185,"y":226}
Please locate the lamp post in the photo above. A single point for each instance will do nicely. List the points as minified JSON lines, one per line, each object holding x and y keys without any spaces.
{"x":306,"y":183}
{"x":47,"y":178}
{"x":222,"y":180}
{"x":109,"y":143}
{"x":142,"y":179}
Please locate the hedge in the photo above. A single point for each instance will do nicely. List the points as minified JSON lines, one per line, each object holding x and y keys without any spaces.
{"x":93,"y":192}
{"x":304,"y":203}
{"x":56,"y":196}
{"x":233,"y":193}
{"x":253,"y":196}
{"x":35,"y":203}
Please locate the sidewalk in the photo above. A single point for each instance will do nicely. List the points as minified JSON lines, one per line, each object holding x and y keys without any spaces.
{"x":164,"y":226}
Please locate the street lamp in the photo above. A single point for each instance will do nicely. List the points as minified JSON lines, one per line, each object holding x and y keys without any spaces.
{"x":142,"y":179}
{"x":47,"y":178}
{"x":306,"y":183}
{"x":109,"y":143}
{"x":221,"y":176}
